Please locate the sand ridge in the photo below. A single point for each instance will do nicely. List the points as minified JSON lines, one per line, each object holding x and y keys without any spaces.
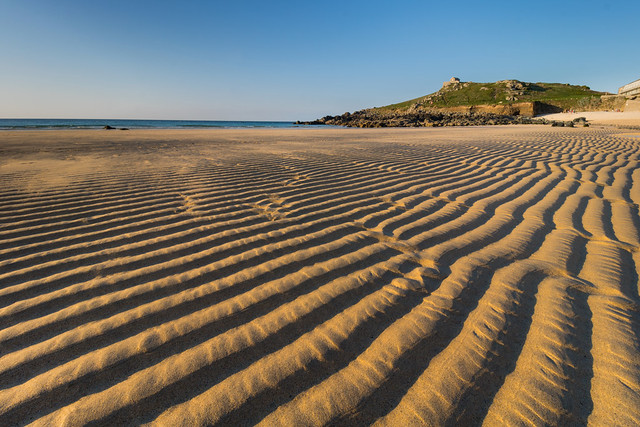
{"x":320,"y":276}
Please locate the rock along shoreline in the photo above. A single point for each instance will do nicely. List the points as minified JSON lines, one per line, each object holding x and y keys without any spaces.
{"x":376,"y":119}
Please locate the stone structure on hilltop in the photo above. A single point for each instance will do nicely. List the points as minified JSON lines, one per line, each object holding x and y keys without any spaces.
{"x":452,"y":81}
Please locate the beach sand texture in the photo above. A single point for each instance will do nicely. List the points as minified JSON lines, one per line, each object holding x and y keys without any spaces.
{"x":601,"y":118}
{"x":320,"y":276}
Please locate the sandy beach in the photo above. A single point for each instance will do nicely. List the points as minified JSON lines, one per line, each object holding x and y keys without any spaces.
{"x":442,"y":276}
{"x":601,"y":118}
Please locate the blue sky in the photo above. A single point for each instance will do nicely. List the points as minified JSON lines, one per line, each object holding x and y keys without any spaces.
{"x":289,"y":60}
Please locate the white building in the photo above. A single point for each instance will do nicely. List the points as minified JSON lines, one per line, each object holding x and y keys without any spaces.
{"x":630,"y":89}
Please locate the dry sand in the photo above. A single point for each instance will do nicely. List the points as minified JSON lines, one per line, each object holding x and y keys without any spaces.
{"x":601,"y":118}
{"x":315,"y":276}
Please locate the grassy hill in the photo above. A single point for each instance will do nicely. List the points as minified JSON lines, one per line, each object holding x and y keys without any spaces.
{"x":468,"y":103}
{"x":504,"y":92}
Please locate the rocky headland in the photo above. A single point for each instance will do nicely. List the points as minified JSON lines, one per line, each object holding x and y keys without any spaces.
{"x":473,"y":104}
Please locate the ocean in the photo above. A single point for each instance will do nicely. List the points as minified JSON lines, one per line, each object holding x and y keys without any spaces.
{"x":14,"y":124}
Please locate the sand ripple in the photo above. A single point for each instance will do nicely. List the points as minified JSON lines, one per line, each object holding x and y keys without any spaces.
{"x":407,"y":277}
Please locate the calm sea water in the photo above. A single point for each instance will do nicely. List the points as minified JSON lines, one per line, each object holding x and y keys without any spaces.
{"x":7,"y":124}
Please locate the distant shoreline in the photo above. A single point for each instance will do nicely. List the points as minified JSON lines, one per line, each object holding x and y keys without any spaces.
{"x":625,"y":119}
{"x":53,"y":124}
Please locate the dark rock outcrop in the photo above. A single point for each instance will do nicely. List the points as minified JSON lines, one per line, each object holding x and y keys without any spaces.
{"x":420,"y":118}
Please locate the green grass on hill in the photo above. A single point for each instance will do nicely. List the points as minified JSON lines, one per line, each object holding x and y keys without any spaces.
{"x":503,"y":92}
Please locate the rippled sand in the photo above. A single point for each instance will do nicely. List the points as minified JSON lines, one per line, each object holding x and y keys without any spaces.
{"x":315,"y":276}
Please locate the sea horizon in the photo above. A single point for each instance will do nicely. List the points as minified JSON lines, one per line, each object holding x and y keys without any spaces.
{"x":44,"y":124}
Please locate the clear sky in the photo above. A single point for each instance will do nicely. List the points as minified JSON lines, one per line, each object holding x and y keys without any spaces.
{"x":289,"y":60}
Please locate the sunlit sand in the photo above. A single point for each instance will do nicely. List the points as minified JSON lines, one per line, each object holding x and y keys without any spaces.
{"x":602,"y":118}
{"x":316,"y":276}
